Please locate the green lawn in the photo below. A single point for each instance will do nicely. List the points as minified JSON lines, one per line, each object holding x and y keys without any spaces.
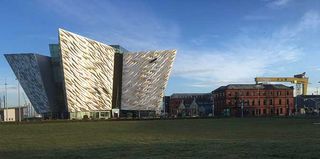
{"x":189,"y":138}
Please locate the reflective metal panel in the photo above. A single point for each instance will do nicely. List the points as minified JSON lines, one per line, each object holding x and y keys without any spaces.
{"x":88,"y":72}
{"x":27,"y":69}
{"x":145,"y":76}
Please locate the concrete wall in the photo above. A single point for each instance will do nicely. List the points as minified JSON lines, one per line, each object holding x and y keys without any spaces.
{"x":9,"y":114}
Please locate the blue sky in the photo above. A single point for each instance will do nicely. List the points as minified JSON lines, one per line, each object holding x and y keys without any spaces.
{"x":218,"y":41}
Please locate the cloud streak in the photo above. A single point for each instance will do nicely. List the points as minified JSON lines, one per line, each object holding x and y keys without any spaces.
{"x":278,"y":3}
{"x":238,"y":61}
{"x":245,"y":57}
{"x":135,"y":26}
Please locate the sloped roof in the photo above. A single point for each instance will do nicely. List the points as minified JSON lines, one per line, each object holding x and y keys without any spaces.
{"x":253,"y":86}
{"x":180,"y":95}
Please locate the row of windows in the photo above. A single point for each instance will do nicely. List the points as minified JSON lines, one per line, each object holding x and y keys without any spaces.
{"x":264,"y":111}
{"x":192,"y":97}
{"x":255,"y":102}
{"x":252,"y":93}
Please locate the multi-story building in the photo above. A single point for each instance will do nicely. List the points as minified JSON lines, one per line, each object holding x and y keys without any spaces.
{"x":254,"y":100}
{"x":190,"y":105}
{"x":84,"y":78}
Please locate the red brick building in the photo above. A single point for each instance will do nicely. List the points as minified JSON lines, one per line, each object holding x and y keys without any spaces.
{"x":254,"y":100}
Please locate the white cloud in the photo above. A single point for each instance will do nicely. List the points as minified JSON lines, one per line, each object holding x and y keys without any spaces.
{"x":236,"y":66}
{"x":278,"y":3}
{"x":311,"y":20}
{"x":239,"y":61}
{"x":245,"y":57}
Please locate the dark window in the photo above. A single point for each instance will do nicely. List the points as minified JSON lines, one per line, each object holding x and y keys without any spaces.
{"x":280,"y":110}
{"x":153,"y":60}
{"x":247,"y":93}
{"x":287,"y":101}
{"x":279,"y":101}
{"x":253,"y":103}
{"x":270,"y":102}
{"x":264,"y":102}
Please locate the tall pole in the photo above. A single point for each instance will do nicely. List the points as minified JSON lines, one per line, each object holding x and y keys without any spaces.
{"x":19,"y":105}
{"x":6,"y":99}
{"x":242,"y":108}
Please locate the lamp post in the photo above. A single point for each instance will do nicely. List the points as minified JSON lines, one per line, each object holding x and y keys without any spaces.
{"x":6,"y":99}
{"x":241,"y":108}
{"x":19,"y":105}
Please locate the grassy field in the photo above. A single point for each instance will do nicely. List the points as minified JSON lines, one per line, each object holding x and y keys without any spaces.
{"x":189,"y":138}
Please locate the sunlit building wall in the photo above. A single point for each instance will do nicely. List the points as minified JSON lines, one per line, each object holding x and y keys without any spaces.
{"x":84,"y":78}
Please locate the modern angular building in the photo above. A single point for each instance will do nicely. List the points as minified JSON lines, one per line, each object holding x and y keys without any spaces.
{"x":84,"y":78}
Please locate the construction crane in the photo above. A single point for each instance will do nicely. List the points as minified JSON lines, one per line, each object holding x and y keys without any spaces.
{"x":300,"y":80}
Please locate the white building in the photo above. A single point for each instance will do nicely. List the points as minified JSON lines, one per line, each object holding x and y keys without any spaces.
{"x":11,"y":114}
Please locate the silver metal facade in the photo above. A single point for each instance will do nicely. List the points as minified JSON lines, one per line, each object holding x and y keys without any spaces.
{"x":27,"y":69}
{"x":88,"y":72}
{"x":84,"y":69}
{"x":145,"y":76}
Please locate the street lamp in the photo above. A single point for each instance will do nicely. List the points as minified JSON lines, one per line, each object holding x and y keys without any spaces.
{"x":6,"y":99}
{"x":19,"y":105}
